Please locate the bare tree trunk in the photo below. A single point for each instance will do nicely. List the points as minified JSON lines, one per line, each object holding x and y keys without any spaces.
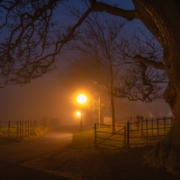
{"x":162,"y":19}
{"x":166,"y":153}
{"x":112,"y":98}
{"x":167,"y":18}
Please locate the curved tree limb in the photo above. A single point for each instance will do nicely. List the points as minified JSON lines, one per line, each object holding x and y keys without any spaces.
{"x":33,"y":30}
{"x":127,"y":14}
{"x":139,"y":13}
{"x":156,"y":65}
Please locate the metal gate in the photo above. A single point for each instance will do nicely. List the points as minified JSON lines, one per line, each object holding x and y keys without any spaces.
{"x":108,"y":135}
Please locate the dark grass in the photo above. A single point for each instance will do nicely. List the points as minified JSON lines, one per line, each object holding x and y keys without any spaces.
{"x":117,"y":163}
{"x":82,"y":161}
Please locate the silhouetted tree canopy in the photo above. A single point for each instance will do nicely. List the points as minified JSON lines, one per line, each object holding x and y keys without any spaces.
{"x":27,"y":33}
{"x":27,"y":28}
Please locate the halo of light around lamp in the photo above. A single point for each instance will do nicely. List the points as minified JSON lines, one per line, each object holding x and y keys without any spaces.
{"x":81,"y":98}
{"x":78,"y":113}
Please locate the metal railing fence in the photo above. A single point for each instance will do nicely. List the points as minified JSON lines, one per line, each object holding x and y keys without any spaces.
{"x":137,"y":131}
{"x":22,"y":128}
{"x":147,"y":131}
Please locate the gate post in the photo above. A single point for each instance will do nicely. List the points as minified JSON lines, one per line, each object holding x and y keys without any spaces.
{"x":124,"y":136}
{"x":20,"y":129}
{"x":128,"y":134}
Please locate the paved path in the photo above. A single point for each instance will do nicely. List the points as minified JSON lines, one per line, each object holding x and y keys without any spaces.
{"x":11,"y":159}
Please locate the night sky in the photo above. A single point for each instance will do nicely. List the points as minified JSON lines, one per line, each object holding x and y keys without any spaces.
{"x":46,"y":96}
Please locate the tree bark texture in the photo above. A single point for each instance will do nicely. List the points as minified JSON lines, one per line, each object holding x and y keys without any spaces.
{"x":162,"y":19}
{"x":165,"y":15}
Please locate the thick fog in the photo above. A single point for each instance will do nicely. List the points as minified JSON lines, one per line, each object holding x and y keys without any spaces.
{"x":50,"y":97}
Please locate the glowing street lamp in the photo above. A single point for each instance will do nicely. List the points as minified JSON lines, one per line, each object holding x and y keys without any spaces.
{"x":78,"y":113}
{"x":81,"y":99}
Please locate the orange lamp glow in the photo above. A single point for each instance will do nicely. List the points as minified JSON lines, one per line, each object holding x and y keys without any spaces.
{"x":82,"y":98}
{"x":78,"y":113}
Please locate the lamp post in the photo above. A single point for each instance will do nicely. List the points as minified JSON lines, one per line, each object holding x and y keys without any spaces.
{"x":80,"y":114}
{"x":81,"y":99}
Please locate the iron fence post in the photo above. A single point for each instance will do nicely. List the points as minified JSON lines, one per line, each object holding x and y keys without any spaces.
{"x":157,"y":126}
{"x":124,"y":136}
{"x":31,"y":127}
{"x":142,"y":119}
{"x":28,"y":128}
{"x":164,"y":126}
{"x":20,"y":129}
{"x":36,"y":126}
{"x":152,"y":125}
{"x":25,"y":127}
{"x":137,"y":122}
{"x":95,"y":134}
{"x":128,"y":134}
{"x":17,"y":129}
{"x":147,"y":130}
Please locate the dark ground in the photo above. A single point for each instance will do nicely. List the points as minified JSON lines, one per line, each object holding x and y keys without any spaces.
{"x":104,"y":165}
{"x":80,"y":163}
{"x":11,"y":171}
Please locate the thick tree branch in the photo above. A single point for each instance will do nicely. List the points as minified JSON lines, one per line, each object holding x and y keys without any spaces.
{"x":127,"y":14}
{"x":156,"y":65}
{"x":139,"y":13}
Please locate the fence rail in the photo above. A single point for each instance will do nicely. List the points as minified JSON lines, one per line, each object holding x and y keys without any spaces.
{"x":137,"y":131}
{"x":22,"y":128}
{"x":145,"y":131}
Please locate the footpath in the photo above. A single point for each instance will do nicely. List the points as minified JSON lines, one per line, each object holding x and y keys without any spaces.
{"x":15,"y":162}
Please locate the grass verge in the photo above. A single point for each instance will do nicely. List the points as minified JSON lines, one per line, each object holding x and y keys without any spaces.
{"x":83,"y":139}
